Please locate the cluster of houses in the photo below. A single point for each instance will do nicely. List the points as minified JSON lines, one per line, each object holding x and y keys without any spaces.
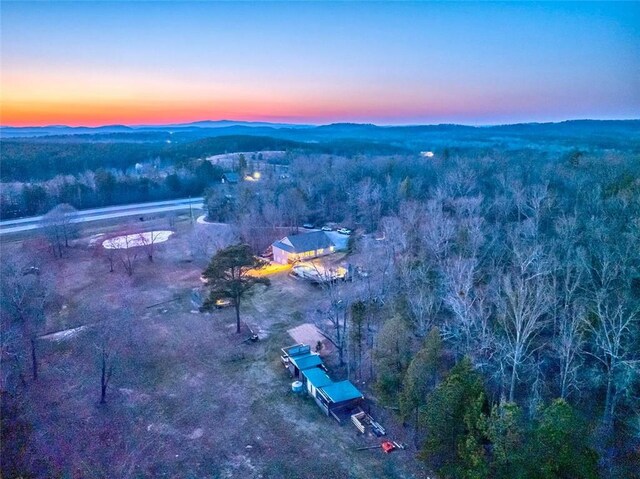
{"x":333,"y":398}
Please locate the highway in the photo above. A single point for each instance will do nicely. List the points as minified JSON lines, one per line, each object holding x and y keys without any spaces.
{"x":110,"y":212}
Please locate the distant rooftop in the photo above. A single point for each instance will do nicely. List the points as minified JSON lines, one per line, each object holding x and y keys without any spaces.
{"x":231,"y":177}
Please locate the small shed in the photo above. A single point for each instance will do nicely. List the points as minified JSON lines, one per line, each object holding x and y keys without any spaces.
{"x":334,"y":398}
{"x":298,"y":358}
{"x":337,"y":397}
{"x":314,"y":379}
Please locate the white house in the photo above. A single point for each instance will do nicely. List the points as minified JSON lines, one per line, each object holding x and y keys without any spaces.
{"x":303,"y":246}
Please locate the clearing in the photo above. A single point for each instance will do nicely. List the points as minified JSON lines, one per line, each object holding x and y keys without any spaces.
{"x":188,"y":397}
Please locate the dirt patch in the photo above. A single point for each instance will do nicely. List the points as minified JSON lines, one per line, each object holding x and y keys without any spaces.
{"x":308,"y":334}
{"x":137,"y":239}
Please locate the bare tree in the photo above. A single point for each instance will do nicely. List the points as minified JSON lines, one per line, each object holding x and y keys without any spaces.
{"x":407,"y":235}
{"x":357,"y":333}
{"x":111,"y":326}
{"x":293,"y":204}
{"x":524,"y":303}
{"x":467,"y":300}
{"x":111,"y":254}
{"x":420,"y":284}
{"x":24,"y":293}
{"x":205,"y":240}
{"x":128,"y":253}
{"x":148,"y":241}
{"x":569,"y":305}
{"x":369,"y":203}
{"x":59,"y":227}
{"x":336,"y":314}
{"x":568,"y":345}
{"x":611,"y":322}
{"x":438,"y":231}
{"x":374,"y":263}
{"x":252,"y":229}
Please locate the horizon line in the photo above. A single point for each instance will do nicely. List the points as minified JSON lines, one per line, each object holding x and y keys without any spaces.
{"x":311,"y":124}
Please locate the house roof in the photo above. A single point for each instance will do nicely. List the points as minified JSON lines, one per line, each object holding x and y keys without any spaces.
{"x":304,"y":242}
{"x":317,"y":377}
{"x":297,"y":349}
{"x":231,"y":177}
{"x":306,"y":361}
{"x":342,"y":391}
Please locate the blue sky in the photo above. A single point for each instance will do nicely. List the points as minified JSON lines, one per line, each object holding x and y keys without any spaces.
{"x":478,"y":63}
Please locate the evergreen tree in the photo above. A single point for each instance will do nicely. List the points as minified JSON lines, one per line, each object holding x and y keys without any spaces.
{"x":504,"y":428}
{"x":560,"y":445}
{"x":473,"y":462}
{"x":227,"y":276}
{"x":392,"y":355}
{"x":423,"y":374}
{"x":454,"y":420}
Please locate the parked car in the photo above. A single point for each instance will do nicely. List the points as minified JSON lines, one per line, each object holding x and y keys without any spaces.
{"x":344,"y":231}
{"x":223,"y":303}
{"x":327,"y":228}
{"x":308,"y":226}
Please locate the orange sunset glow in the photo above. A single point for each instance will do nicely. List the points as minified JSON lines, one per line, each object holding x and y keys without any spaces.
{"x":111,"y":64}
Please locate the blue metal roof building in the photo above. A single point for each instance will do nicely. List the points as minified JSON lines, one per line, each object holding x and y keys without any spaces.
{"x":315,"y":378}
{"x":341,"y":392}
{"x":334,"y":398}
{"x":299,"y":357}
{"x":307,"y":361}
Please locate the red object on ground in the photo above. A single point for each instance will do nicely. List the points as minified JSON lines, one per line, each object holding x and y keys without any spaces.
{"x":388,"y":446}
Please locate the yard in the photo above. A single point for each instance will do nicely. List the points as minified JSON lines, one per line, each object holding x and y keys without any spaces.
{"x":188,"y":397}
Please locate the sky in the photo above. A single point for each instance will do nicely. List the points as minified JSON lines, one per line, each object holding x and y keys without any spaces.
{"x":127,"y":62}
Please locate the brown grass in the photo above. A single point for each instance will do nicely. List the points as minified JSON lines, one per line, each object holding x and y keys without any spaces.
{"x":188,"y":398}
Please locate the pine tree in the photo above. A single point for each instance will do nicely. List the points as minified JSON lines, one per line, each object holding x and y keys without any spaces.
{"x":227,"y":277}
{"x":453,"y":417}
{"x":505,"y":430}
{"x":392,"y":355}
{"x":423,"y":374}
{"x":560,"y":447}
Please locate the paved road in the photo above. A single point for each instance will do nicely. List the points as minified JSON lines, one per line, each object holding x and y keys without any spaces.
{"x":83,"y":216}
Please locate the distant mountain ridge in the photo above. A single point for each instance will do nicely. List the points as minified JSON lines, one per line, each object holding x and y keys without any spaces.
{"x":342,"y":130}
{"x":26,"y":131}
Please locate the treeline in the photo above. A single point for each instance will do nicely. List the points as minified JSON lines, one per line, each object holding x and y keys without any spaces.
{"x":104,"y":187}
{"x":500,"y":311}
{"x":38,"y":173}
{"x":37,"y":159}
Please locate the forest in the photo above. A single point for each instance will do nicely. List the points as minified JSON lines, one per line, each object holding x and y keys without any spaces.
{"x":118,"y":165}
{"x":508,"y":300}
{"x":501,"y":325}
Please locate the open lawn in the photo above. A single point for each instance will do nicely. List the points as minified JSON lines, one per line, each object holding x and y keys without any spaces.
{"x":188,"y":398}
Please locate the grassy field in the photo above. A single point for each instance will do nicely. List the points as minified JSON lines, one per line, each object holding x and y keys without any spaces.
{"x":188,"y":398}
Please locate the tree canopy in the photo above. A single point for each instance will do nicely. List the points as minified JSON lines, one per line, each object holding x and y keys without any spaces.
{"x":228,"y":276}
